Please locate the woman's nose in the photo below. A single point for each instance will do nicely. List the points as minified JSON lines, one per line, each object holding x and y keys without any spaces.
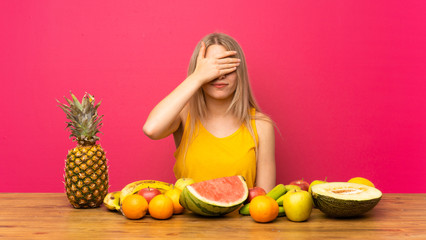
{"x":222,"y":77}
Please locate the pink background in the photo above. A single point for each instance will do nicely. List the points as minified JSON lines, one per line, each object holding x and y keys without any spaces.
{"x":343,"y":80}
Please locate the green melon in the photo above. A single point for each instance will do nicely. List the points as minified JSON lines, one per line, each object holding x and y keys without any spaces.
{"x":215,"y":197}
{"x":343,"y":199}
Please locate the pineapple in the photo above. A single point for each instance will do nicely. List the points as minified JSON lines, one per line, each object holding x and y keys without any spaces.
{"x":86,"y":170}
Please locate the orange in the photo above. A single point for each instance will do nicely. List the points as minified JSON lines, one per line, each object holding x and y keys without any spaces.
{"x":134,"y":206}
{"x":263,"y":209}
{"x":174,"y":195}
{"x":161,"y":207}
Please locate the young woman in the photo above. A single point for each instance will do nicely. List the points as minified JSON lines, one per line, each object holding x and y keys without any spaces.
{"x":217,"y":126}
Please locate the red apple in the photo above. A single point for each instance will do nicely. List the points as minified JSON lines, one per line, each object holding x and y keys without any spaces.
{"x":149,"y":193}
{"x":254,"y":192}
{"x":302,"y":184}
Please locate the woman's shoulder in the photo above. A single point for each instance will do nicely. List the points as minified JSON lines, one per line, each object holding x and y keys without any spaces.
{"x":262,"y":118}
{"x":264,"y":123}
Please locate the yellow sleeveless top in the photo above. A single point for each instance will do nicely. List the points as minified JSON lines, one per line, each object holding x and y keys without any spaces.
{"x":207,"y":156}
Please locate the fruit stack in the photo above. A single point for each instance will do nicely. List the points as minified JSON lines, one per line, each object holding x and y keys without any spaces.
{"x":283,"y":200}
{"x":296,"y":200}
{"x":221,"y":196}
{"x":156,"y":198}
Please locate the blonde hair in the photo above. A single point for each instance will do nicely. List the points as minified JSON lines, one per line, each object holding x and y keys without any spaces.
{"x":243,"y":99}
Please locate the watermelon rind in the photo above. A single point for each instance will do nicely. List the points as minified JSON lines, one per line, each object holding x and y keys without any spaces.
{"x":192,"y":201}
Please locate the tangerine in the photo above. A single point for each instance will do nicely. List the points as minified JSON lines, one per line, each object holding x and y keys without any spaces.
{"x":263,"y":209}
{"x":161,"y":207}
{"x":174,"y":195}
{"x":134,"y":206}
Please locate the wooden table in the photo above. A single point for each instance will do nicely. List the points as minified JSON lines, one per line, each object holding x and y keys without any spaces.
{"x":50,"y":216}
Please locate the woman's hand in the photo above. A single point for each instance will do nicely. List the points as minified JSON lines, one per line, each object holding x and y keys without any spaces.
{"x":168,"y":115}
{"x":210,"y":68}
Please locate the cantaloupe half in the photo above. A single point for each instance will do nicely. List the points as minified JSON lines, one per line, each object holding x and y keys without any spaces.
{"x":343,"y":199}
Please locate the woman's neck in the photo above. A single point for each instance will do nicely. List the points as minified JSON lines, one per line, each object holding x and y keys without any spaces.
{"x":219,"y":121}
{"x":217,"y":107}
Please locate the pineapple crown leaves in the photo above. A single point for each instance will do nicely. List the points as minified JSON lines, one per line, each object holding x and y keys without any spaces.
{"x":84,"y":121}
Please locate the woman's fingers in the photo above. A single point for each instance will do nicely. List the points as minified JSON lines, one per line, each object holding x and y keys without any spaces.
{"x":227,"y":71}
{"x":228,"y":65}
{"x":225,"y":54}
{"x":202,"y":52}
{"x":211,"y":67}
{"x":228,"y":60}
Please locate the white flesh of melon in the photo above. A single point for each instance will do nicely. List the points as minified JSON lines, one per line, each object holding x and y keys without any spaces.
{"x":345,"y":191}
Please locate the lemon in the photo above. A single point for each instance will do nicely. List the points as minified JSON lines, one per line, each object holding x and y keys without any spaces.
{"x":361,"y":180}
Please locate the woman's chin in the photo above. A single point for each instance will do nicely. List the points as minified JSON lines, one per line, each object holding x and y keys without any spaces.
{"x":220,"y":96}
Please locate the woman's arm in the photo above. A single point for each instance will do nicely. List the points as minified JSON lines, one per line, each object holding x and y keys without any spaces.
{"x":165,"y":118}
{"x":266,"y":171}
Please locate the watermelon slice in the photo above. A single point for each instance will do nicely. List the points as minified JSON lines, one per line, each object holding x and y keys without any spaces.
{"x":215,"y":197}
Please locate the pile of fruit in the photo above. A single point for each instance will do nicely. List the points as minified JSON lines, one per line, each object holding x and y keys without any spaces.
{"x":221,"y":196}
{"x":290,"y":200}
{"x":156,"y":198}
{"x":296,"y":200}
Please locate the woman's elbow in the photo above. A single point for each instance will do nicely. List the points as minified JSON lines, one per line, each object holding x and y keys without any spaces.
{"x":149,"y":131}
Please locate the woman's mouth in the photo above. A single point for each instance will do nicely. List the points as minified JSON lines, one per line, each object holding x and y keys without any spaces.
{"x":219,"y":85}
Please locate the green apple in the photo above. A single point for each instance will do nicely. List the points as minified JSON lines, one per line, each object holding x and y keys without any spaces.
{"x":181,"y":183}
{"x":297,"y":205}
{"x":288,"y":188}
